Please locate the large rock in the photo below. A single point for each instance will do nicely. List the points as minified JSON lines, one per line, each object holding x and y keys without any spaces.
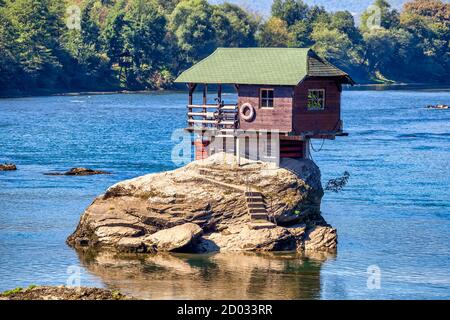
{"x":211,"y":195}
{"x":321,"y":238}
{"x":176,"y":238}
{"x":243,"y":238}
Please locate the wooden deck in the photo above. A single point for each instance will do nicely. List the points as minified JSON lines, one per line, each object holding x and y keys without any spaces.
{"x":212,"y":116}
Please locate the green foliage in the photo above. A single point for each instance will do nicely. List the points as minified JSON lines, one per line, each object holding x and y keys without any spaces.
{"x":167,"y":6}
{"x":11,"y":292}
{"x":9,"y":66}
{"x":234,"y":27}
{"x":144,"y":39}
{"x":274,"y":33}
{"x":36,"y":26}
{"x":191,"y":22}
{"x":301,"y":34}
{"x":389,"y":18}
{"x":144,"y":44}
{"x":290,"y":11}
{"x":111,"y":36}
{"x":417,"y":36}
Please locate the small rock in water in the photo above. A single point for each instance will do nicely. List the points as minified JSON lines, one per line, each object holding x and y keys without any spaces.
{"x":439,"y":106}
{"x":78,"y":172}
{"x":8,"y":167}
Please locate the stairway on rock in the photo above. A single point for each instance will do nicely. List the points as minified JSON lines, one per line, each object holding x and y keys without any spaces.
{"x":259,"y":217}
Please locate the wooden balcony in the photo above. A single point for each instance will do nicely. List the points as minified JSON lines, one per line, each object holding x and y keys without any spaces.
{"x":212,"y":117}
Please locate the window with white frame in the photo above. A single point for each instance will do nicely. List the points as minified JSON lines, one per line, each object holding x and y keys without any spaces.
{"x":266,"y":99}
{"x":316,"y":99}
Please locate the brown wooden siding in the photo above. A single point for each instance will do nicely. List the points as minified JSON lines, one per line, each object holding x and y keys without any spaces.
{"x":317,"y":120}
{"x":292,"y":149}
{"x":279,"y":117}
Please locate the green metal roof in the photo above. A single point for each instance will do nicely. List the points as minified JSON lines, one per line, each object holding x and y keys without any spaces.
{"x":263,"y":66}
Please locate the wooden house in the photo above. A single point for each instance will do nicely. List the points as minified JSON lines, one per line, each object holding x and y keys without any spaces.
{"x":285,"y":98}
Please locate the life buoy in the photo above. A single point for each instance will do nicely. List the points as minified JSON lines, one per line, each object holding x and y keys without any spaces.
{"x":243,"y":112}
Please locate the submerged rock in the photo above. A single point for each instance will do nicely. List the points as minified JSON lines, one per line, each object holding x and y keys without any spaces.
{"x":77,"y":172}
{"x":202,"y":207}
{"x":7,"y":167}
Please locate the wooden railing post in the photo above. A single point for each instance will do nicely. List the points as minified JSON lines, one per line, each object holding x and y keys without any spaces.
{"x":205,"y":100}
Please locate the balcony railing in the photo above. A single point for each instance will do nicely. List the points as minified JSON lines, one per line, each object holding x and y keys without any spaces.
{"x":213,"y":117}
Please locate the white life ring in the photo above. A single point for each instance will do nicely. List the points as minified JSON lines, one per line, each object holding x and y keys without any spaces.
{"x":242,"y":112}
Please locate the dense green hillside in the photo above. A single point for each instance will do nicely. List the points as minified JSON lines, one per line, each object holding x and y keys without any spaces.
{"x":78,"y":45}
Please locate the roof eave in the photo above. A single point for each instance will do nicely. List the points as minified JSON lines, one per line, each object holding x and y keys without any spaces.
{"x":238,"y":83}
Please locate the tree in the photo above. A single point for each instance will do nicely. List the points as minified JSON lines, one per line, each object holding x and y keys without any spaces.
{"x":144,"y":35}
{"x":9,"y":66}
{"x":274,"y":33}
{"x":332,"y":45}
{"x":233,"y":26}
{"x":90,"y":30}
{"x":192,"y":26}
{"x":429,"y":24}
{"x":290,"y":11}
{"x":38,"y":26}
{"x":387,"y":53}
{"x":434,"y":9}
{"x":344,"y":22}
{"x":301,"y":34}
{"x":318,"y":14}
{"x":167,"y":6}
{"x":380,"y":12}
{"x":112,"y":33}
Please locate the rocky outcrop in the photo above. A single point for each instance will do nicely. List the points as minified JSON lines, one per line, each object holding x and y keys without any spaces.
{"x":202,"y":207}
{"x":78,"y":172}
{"x":321,"y":238}
{"x":7,"y":167}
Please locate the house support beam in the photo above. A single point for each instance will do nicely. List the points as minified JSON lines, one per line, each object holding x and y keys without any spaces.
{"x":192,"y":87}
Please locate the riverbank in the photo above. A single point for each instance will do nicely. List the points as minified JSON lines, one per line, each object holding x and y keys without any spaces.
{"x":61,"y":293}
{"x":50,"y":93}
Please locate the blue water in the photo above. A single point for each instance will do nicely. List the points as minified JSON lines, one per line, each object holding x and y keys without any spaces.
{"x":393,"y":214}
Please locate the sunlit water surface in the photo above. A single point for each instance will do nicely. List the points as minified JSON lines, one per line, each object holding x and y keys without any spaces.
{"x":393,"y":215}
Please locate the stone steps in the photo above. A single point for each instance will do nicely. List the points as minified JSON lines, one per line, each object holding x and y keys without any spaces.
{"x":256,"y":206}
{"x":258,"y":225}
{"x":258,"y":216}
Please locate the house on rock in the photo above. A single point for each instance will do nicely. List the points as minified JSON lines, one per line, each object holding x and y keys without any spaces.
{"x":285,"y":98}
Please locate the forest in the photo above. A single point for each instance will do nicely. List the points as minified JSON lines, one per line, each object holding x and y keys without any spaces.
{"x":49,"y":46}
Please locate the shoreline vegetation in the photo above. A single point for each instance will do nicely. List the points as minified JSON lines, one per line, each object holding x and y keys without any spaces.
{"x":58,"y":47}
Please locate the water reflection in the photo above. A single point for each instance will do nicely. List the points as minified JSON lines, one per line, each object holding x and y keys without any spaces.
{"x":217,"y":276}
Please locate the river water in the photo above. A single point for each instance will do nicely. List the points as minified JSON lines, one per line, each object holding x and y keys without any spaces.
{"x":393,"y":217}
